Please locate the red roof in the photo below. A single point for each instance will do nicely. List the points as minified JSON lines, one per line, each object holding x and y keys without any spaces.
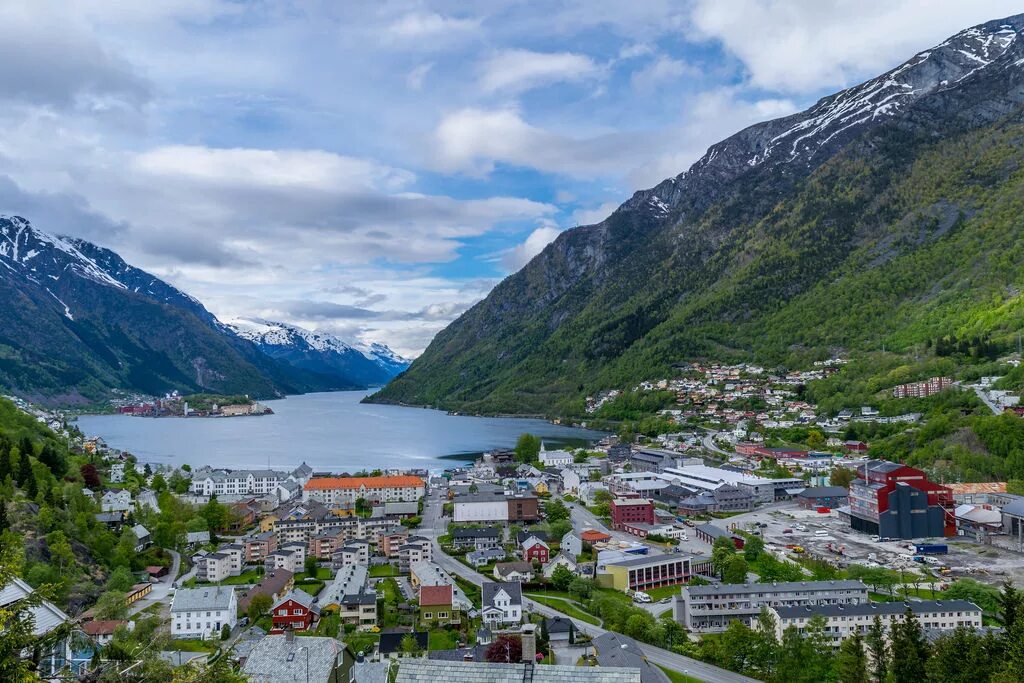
{"x":320,"y":483}
{"x":101,"y":628}
{"x":432,"y":596}
{"x":594,"y":536}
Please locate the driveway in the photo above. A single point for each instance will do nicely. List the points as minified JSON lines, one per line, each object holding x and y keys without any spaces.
{"x":161,"y":590}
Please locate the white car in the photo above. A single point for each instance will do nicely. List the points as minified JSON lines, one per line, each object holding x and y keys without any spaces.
{"x":639,"y":597}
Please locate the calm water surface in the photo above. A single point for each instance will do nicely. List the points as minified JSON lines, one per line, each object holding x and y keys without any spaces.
{"x":330,"y":431}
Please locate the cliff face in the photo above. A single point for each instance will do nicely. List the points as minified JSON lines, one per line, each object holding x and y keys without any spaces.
{"x":853,"y":223}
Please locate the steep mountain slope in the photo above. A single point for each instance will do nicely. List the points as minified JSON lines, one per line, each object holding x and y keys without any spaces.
{"x":77,"y":321}
{"x":886,"y":213}
{"x":321,"y":353}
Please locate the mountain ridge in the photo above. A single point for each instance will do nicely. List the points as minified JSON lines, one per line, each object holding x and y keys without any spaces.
{"x":760,"y":219}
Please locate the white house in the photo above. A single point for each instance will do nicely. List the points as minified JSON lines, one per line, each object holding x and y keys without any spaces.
{"x":116,"y":500}
{"x":202,"y":612}
{"x":142,"y":538}
{"x":502,"y":604}
{"x":554,"y":458}
{"x":560,"y":560}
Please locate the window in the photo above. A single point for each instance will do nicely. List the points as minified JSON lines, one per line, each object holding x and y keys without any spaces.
{"x":442,"y":615}
{"x":429,"y":615}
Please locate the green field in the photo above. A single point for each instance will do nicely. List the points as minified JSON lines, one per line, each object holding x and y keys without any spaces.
{"x":677,"y":677}
{"x":322,"y":573}
{"x":379,"y":570}
{"x":442,"y":640}
{"x":572,"y":609}
{"x":663,"y":592}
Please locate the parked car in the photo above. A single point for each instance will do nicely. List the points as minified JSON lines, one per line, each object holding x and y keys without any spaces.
{"x":787,"y":531}
{"x":640,"y":597}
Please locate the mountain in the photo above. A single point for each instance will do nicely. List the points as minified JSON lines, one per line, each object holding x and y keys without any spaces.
{"x":886,"y":214}
{"x":325,"y":354}
{"x":78,"y":321}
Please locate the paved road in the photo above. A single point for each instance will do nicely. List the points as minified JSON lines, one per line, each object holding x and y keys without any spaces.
{"x":984,"y":398}
{"x":433,"y":526}
{"x":709,"y":443}
{"x":160,"y":590}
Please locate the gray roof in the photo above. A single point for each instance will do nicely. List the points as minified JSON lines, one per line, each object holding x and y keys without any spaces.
{"x":46,"y":616}
{"x":370,"y":672}
{"x":559,"y":624}
{"x":734,"y":588}
{"x":615,"y":650}
{"x":207,"y":597}
{"x":823,"y":492}
{"x":644,"y":560}
{"x":506,"y":568}
{"x":488,"y":532}
{"x":491,"y":588}
{"x":197,"y":536}
{"x":880,"y":608}
{"x":301,"y":597}
{"x":275,"y":658}
{"x":1015,"y":508}
{"x":714,"y":531}
{"x":430,"y":671}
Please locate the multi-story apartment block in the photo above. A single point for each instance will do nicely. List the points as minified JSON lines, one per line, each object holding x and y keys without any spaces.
{"x":707,"y":609}
{"x":207,"y":481}
{"x":323,"y":546}
{"x":844,"y":620}
{"x":217,"y":566}
{"x":415,"y":550}
{"x":922,"y":389}
{"x":290,"y":556}
{"x":391,"y":541}
{"x":354,"y":552}
{"x":335,"y":490}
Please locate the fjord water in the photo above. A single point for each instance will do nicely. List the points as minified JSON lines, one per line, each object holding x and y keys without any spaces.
{"x":330,"y":431}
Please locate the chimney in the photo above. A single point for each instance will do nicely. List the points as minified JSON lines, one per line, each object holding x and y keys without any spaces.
{"x":529,"y":638}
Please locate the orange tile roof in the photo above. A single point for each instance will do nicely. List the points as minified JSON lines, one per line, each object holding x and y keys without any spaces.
{"x":432,"y":596}
{"x":321,"y":483}
{"x":981,"y":487}
{"x":592,"y":535}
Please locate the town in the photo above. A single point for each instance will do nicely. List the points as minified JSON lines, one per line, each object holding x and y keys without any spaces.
{"x":627,"y":558}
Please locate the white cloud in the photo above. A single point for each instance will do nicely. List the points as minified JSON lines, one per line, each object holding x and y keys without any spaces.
{"x":416,"y":77}
{"x":661,"y":71}
{"x":514,"y":71}
{"x":518,"y":256}
{"x":430,"y":24}
{"x":635,"y":50}
{"x":595,"y":215}
{"x":806,"y":45}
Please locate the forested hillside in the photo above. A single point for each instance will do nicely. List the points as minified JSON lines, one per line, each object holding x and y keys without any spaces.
{"x":886,"y":216}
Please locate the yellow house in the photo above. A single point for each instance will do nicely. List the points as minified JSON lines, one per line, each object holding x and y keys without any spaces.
{"x":267,"y":523}
{"x":541,"y":487}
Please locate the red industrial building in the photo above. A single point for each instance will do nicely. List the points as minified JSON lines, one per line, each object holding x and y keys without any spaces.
{"x":897,"y":501}
{"x":626,"y":510}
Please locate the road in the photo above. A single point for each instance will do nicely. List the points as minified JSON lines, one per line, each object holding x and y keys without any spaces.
{"x":160,"y":590}
{"x":709,"y":443}
{"x":434,"y":525}
{"x":984,"y":398}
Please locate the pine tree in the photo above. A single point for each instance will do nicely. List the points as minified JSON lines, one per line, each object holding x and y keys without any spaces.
{"x":4,"y":523}
{"x":852,"y":661}
{"x":909,"y":650}
{"x":1010,"y":605}
{"x":24,"y":468}
{"x":31,"y":486}
{"x":877,"y":649}
{"x":5,"y":461}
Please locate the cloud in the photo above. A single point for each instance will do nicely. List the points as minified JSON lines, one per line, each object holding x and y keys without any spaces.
{"x":595,"y":215}
{"x":515,"y":71}
{"x":807,"y":45}
{"x":47,"y":60}
{"x":520,"y":255}
{"x":661,"y":71}
{"x":416,"y":77}
{"x":60,"y":212}
{"x":417,"y":25}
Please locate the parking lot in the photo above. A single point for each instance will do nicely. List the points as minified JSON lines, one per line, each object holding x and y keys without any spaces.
{"x":826,"y":536}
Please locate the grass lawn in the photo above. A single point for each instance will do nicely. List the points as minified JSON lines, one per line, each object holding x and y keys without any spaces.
{"x":571,"y":609}
{"x":194,"y":645}
{"x":322,"y":573}
{"x":392,"y":594}
{"x":251,"y":576}
{"x":379,"y":570}
{"x":311,"y":587}
{"x":442,"y":640}
{"x":361,"y":641}
{"x":471,"y":590}
{"x":677,"y":677}
{"x":663,"y":592}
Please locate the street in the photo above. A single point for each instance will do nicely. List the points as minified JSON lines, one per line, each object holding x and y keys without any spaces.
{"x":161,"y":590}
{"x":434,"y":526}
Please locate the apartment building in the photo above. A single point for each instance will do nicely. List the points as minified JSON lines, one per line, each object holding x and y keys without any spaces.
{"x":290,"y":556}
{"x":709,"y":609}
{"x":843,"y":620}
{"x":336,"y":490}
{"x":217,"y":566}
{"x":258,"y":546}
{"x":631,"y":511}
{"x":207,"y":481}
{"x":353,"y":552}
{"x":415,"y":550}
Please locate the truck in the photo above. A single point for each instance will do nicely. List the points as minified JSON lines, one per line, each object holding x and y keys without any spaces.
{"x":931,"y":548}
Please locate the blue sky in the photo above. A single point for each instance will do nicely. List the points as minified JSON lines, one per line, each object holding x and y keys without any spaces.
{"x":375,"y":168}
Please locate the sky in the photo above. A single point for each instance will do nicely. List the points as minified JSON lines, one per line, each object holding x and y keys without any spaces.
{"x":373,"y":169}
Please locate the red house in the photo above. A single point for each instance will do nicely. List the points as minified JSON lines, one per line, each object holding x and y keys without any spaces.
{"x":626,"y":510}
{"x":296,"y":611}
{"x":535,"y":549}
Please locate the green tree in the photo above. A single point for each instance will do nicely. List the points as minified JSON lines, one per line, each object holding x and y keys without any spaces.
{"x":842,"y":476}
{"x":909,"y":650}
{"x":852,"y":661}
{"x":111,"y":605}
{"x":120,"y":580}
{"x":124,"y":552}
{"x":16,"y":621}
{"x":562,"y":578}
{"x":527,"y":448}
{"x":215,"y":514}
{"x":225,"y":632}
{"x":735,"y":570}
{"x":559,"y":529}
{"x":764,"y":657}
{"x":1011,"y":602}
{"x":963,"y":656}
{"x":159,"y":483}
{"x":556,"y":511}
{"x":581,"y":589}
{"x":721,"y":551}
{"x":311,"y":565}
{"x":753,"y":548}
{"x":409,"y":645}
{"x":259,"y":606}
{"x":878,"y":649}
{"x":61,"y":555}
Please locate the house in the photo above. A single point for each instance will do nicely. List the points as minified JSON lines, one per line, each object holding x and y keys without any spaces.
{"x":593,"y":536}
{"x":521,"y":572}
{"x":195,"y":538}
{"x":113,"y":520}
{"x":501,"y":604}
{"x":477,"y":539}
{"x":436,"y":606}
{"x":359,"y":609}
{"x":560,"y":560}
{"x":287,"y":658}
{"x":616,"y":651}
{"x":709,"y":533}
{"x":823,"y":496}
{"x":142,"y":538}
{"x":571,"y":544}
{"x":296,"y":611}
{"x":479,"y":558}
{"x":116,"y":500}
{"x":276,"y":584}
{"x":560,"y":630}
{"x":390,"y":644}
{"x":533,"y":549}
{"x":202,"y":612}
{"x":46,"y":619}
{"x":102,"y":631}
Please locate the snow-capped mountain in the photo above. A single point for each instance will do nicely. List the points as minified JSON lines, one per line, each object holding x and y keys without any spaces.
{"x":320,"y":352}
{"x":77,"y":322}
